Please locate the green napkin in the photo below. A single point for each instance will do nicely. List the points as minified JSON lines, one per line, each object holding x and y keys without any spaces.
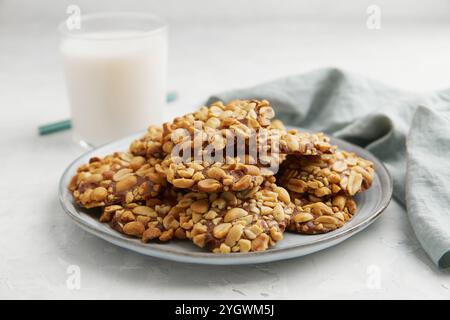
{"x":408,"y":131}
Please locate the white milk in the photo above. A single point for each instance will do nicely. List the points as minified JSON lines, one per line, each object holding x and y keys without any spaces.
{"x":116,"y":83}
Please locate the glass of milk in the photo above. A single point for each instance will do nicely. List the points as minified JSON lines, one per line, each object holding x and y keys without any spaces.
{"x":115,"y":69}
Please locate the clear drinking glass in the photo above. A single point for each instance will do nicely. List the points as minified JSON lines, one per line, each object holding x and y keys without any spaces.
{"x":115,"y":66}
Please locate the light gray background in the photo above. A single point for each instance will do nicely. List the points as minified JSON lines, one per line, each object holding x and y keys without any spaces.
{"x":214,"y":46}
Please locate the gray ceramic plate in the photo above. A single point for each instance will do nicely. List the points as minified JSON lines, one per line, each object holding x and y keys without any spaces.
{"x":370,"y":205}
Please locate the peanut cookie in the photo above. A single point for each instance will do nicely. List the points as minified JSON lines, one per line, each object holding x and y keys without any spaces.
{"x":249,"y":121}
{"x":305,"y":144}
{"x":223,"y":222}
{"x":215,"y":177}
{"x":226,"y":222}
{"x":241,"y":129}
{"x":216,"y":148}
{"x":117,"y":178}
{"x":150,"y":145}
{"x":322,"y":216}
{"x":231,"y":147}
{"x":342,"y":172}
{"x":216,"y":123}
{"x":154,"y":220}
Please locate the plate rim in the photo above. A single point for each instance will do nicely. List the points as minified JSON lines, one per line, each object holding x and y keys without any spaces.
{"x":164,"y":252}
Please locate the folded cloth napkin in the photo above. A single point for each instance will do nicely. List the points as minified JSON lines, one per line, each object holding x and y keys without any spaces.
{"x":409,"y":132}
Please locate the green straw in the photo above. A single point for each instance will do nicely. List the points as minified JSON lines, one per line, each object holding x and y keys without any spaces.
{"x":54,"y":127}
{"x":66,"y":124}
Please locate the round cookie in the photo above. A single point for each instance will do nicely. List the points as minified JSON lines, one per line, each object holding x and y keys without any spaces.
{"x":341,"y":172}
{"x":213,"y":124}
{"x":231,"y":147}
{"x":301,"y":143}
{"x":317,"y":217}
{"x":201,"y":176}
{"x":251,"y":220}
{"x":223,"y":145}
{"x":149,"y":145}
{"x":117,"y":178}
{"x":152,"y":221}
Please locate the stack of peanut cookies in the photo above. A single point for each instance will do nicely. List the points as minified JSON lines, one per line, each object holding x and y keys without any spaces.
{"x":229,"y":178}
